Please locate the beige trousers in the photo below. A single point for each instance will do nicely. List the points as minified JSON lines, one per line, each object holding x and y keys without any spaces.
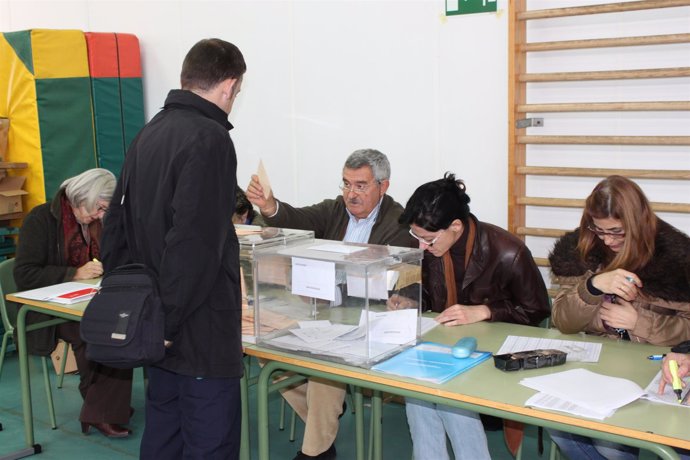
{"x":319,"y":403}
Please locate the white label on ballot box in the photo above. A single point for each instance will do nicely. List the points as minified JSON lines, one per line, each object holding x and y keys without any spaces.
{"x":378,"y":285}
{"x":313,"y":278}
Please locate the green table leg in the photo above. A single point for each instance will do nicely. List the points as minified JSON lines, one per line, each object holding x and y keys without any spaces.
{"x":359,"y":423}
{"x":262,"y":407}
{"x":376,"y":412}
{"x":24,"y":376}
{"x":22,"y":329}
{"x":245,"y":453}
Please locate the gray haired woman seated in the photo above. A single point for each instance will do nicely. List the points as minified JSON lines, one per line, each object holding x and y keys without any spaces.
{"x":59,"y":242}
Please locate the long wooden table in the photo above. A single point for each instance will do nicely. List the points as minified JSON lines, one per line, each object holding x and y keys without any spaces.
{"x":485,"y":389}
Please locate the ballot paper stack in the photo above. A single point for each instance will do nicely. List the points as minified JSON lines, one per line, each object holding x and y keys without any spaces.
{"x":388,"y":332}
{"x":582,"y":392}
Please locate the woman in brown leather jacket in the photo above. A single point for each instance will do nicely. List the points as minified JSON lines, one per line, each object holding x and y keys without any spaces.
{"x":624,"y":273}
{"x":472,"y":271}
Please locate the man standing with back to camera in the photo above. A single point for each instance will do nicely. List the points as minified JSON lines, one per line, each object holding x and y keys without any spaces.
{"x":180,"y":177}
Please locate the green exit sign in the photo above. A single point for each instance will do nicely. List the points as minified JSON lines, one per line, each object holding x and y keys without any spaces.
{"x":454,"y":7}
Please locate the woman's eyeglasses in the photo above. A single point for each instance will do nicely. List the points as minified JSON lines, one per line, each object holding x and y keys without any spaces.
{"x":616,"y":233}
{"x":425,"y":242}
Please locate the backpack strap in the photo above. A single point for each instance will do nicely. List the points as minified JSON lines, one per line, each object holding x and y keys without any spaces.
{"x":134,"y":254}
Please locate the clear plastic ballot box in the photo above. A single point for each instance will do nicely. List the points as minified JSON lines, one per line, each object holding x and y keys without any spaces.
{"x":251,"y":239}
{"x":338,"y":301}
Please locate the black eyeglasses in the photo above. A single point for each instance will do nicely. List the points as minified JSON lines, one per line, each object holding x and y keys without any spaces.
{"x":616,"y":233}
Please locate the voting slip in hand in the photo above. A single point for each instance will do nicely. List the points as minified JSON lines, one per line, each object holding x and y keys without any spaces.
{"x":263,"y":179}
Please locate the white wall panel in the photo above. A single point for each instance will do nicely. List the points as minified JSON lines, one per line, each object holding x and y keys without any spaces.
{"x":473,"y":134}
{"x":28,"y":14}
{"x":327,"y":77}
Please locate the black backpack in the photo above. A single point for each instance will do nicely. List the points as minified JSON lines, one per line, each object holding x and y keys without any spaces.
{"x":123,"y":324}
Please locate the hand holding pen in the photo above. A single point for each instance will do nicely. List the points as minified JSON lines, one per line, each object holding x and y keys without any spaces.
{"x":618,"y":282}
{"x":676,"y":382}
{"x":90,"y":270}
{"x":683,"y":369}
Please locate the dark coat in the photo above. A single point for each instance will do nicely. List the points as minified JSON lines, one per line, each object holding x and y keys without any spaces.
{"x":181,"y":170}
{"x":329,"y":220}
{"x":500,"y":274}
{"x":664,"y":304}
{"x":40,"y":261}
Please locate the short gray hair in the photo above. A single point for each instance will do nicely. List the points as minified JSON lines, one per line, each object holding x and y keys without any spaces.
{"x":377,"y":161}
{"x":89,"y":187}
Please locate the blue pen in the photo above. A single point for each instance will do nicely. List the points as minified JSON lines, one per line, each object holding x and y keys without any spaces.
{"x":656,"y":357}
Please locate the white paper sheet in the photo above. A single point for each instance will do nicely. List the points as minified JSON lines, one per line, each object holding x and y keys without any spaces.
{"x":313,"y":278}
{"x":263,"y":179}
{"x":314,"y":323}
{"x":585,"y":352}
{"x":395,"y":326}
{"x":669,"y":397}
{"x":49,"y":293}
{"x":392,"y":277}
{"x":546,"y":401}
{"x":595,"y":392}
{"x":355,"y":352}
{"x":320,"y":334}
{"x":428,"y":324}
{"x":378,"y":286}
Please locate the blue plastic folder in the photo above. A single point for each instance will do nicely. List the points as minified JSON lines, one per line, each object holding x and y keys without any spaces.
{"x":430,"y":361}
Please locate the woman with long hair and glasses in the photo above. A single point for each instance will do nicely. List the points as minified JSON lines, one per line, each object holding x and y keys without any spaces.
{"x":625,"y":274}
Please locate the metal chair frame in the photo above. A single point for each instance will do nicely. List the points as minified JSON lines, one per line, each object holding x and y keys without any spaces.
{"x":7,"y":285}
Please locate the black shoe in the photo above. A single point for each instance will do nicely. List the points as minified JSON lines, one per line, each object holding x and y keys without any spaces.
{"x":329,"y":454}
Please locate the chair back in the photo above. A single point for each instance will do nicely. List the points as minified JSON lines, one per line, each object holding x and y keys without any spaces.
{"x":546,"y":322}
{"x":8,"y":309}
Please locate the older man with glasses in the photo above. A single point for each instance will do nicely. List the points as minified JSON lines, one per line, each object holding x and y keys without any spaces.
{"x":362,"y":214}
